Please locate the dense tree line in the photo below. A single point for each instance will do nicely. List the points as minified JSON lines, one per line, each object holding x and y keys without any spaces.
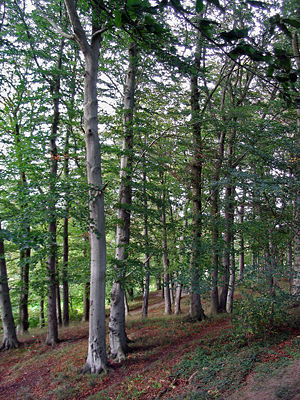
{"x":145,"y":142}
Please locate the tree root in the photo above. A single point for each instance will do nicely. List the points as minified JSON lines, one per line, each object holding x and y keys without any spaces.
{"x":9,"y":343}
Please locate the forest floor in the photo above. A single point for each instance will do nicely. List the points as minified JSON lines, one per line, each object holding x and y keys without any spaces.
{"x":170,"y":358}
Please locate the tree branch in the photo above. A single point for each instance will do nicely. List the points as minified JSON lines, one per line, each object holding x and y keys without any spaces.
{"x":52,"y":23}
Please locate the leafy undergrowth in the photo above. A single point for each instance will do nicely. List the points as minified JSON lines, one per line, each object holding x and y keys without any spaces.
{"x":171,"y":358}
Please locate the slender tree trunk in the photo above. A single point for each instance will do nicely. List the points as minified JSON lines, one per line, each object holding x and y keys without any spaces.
{"x":215,"y":226}
{"x":242,"y":242}
{"x":229,"y":263}
{"x":64,"y":272}
{"x":24,"y":253}
{"x":86,"y":302}
{"x":158,"y":283}
{"x":96,"y":358}
{"x":117,"y":334}
{"x":217,"y":304}
{"x":52,"y":333}
{"x":196,"y":310}
{"x":165,"y":257}
{"x":177,"y":306}
{"x":131,"y":293}
{"x":146,"y":290}
{"x":126,"y":304}
{"x":65,"y":283}
{"x":146,"y":243}
{"x":9,"y":340}
{"x":230,"y":227}
{"x":290,"y":262}
{"x":23,"y":305}
{"x":59,"y":313}
{"x":295,"y":286}
{"x":42,"y":312}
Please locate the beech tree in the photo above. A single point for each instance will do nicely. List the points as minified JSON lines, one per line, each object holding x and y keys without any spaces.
{"x":117,"y":334}
{"x":9,"y":340}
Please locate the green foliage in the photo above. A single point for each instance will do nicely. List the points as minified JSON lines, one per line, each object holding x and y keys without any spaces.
{"x":262,"y":310}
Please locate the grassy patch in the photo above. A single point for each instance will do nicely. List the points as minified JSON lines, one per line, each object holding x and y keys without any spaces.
{"x":216,"y":365}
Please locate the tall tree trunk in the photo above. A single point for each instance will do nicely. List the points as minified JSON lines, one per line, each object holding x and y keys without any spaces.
{"x":9,"y":340}
{"x":215,"y":214}
{"x":146,"y":244}
{"x":196,"y":310}
{"x":295,"y":285}
{"x":65,"y":281}
{"x":23,"y":304}
{"x":230,"y":227}
{"x":52,"y":332}
{"x":96,"y":358}
{"x":117,"y":334}
{"x":64,"y":272}
{"x":24,"y":253}
{"x":165,"y":257}
{"x":58,"y":301}
{"x":229,"y":262}
{"x":64,"y":276}
{"x":242,"y":242}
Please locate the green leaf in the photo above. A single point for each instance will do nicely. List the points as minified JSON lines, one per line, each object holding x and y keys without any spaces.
{"x":118,"y":19}
{"x":293,"y":22}
{"x":199,"y":6}
{"x":258,"y":4}
{"x":134,"y":3}
{"x":282,"y":78}
{"x":293,"y":77}
{"x":234,"y":34}
{"x":283,"y":59}
{"x":270,"y":71}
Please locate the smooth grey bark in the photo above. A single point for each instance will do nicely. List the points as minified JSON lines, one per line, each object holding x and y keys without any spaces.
{"x":96,"y":359}
{"x":117,"y":334}
{"x":9,"y":340}
{"x":58,"y":302}
{"x":295,"y":281}
{"x":126,"y":306}
{"x":177,"y":304}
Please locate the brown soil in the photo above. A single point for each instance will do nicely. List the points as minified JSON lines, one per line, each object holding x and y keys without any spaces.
{"x":38,"y":372}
